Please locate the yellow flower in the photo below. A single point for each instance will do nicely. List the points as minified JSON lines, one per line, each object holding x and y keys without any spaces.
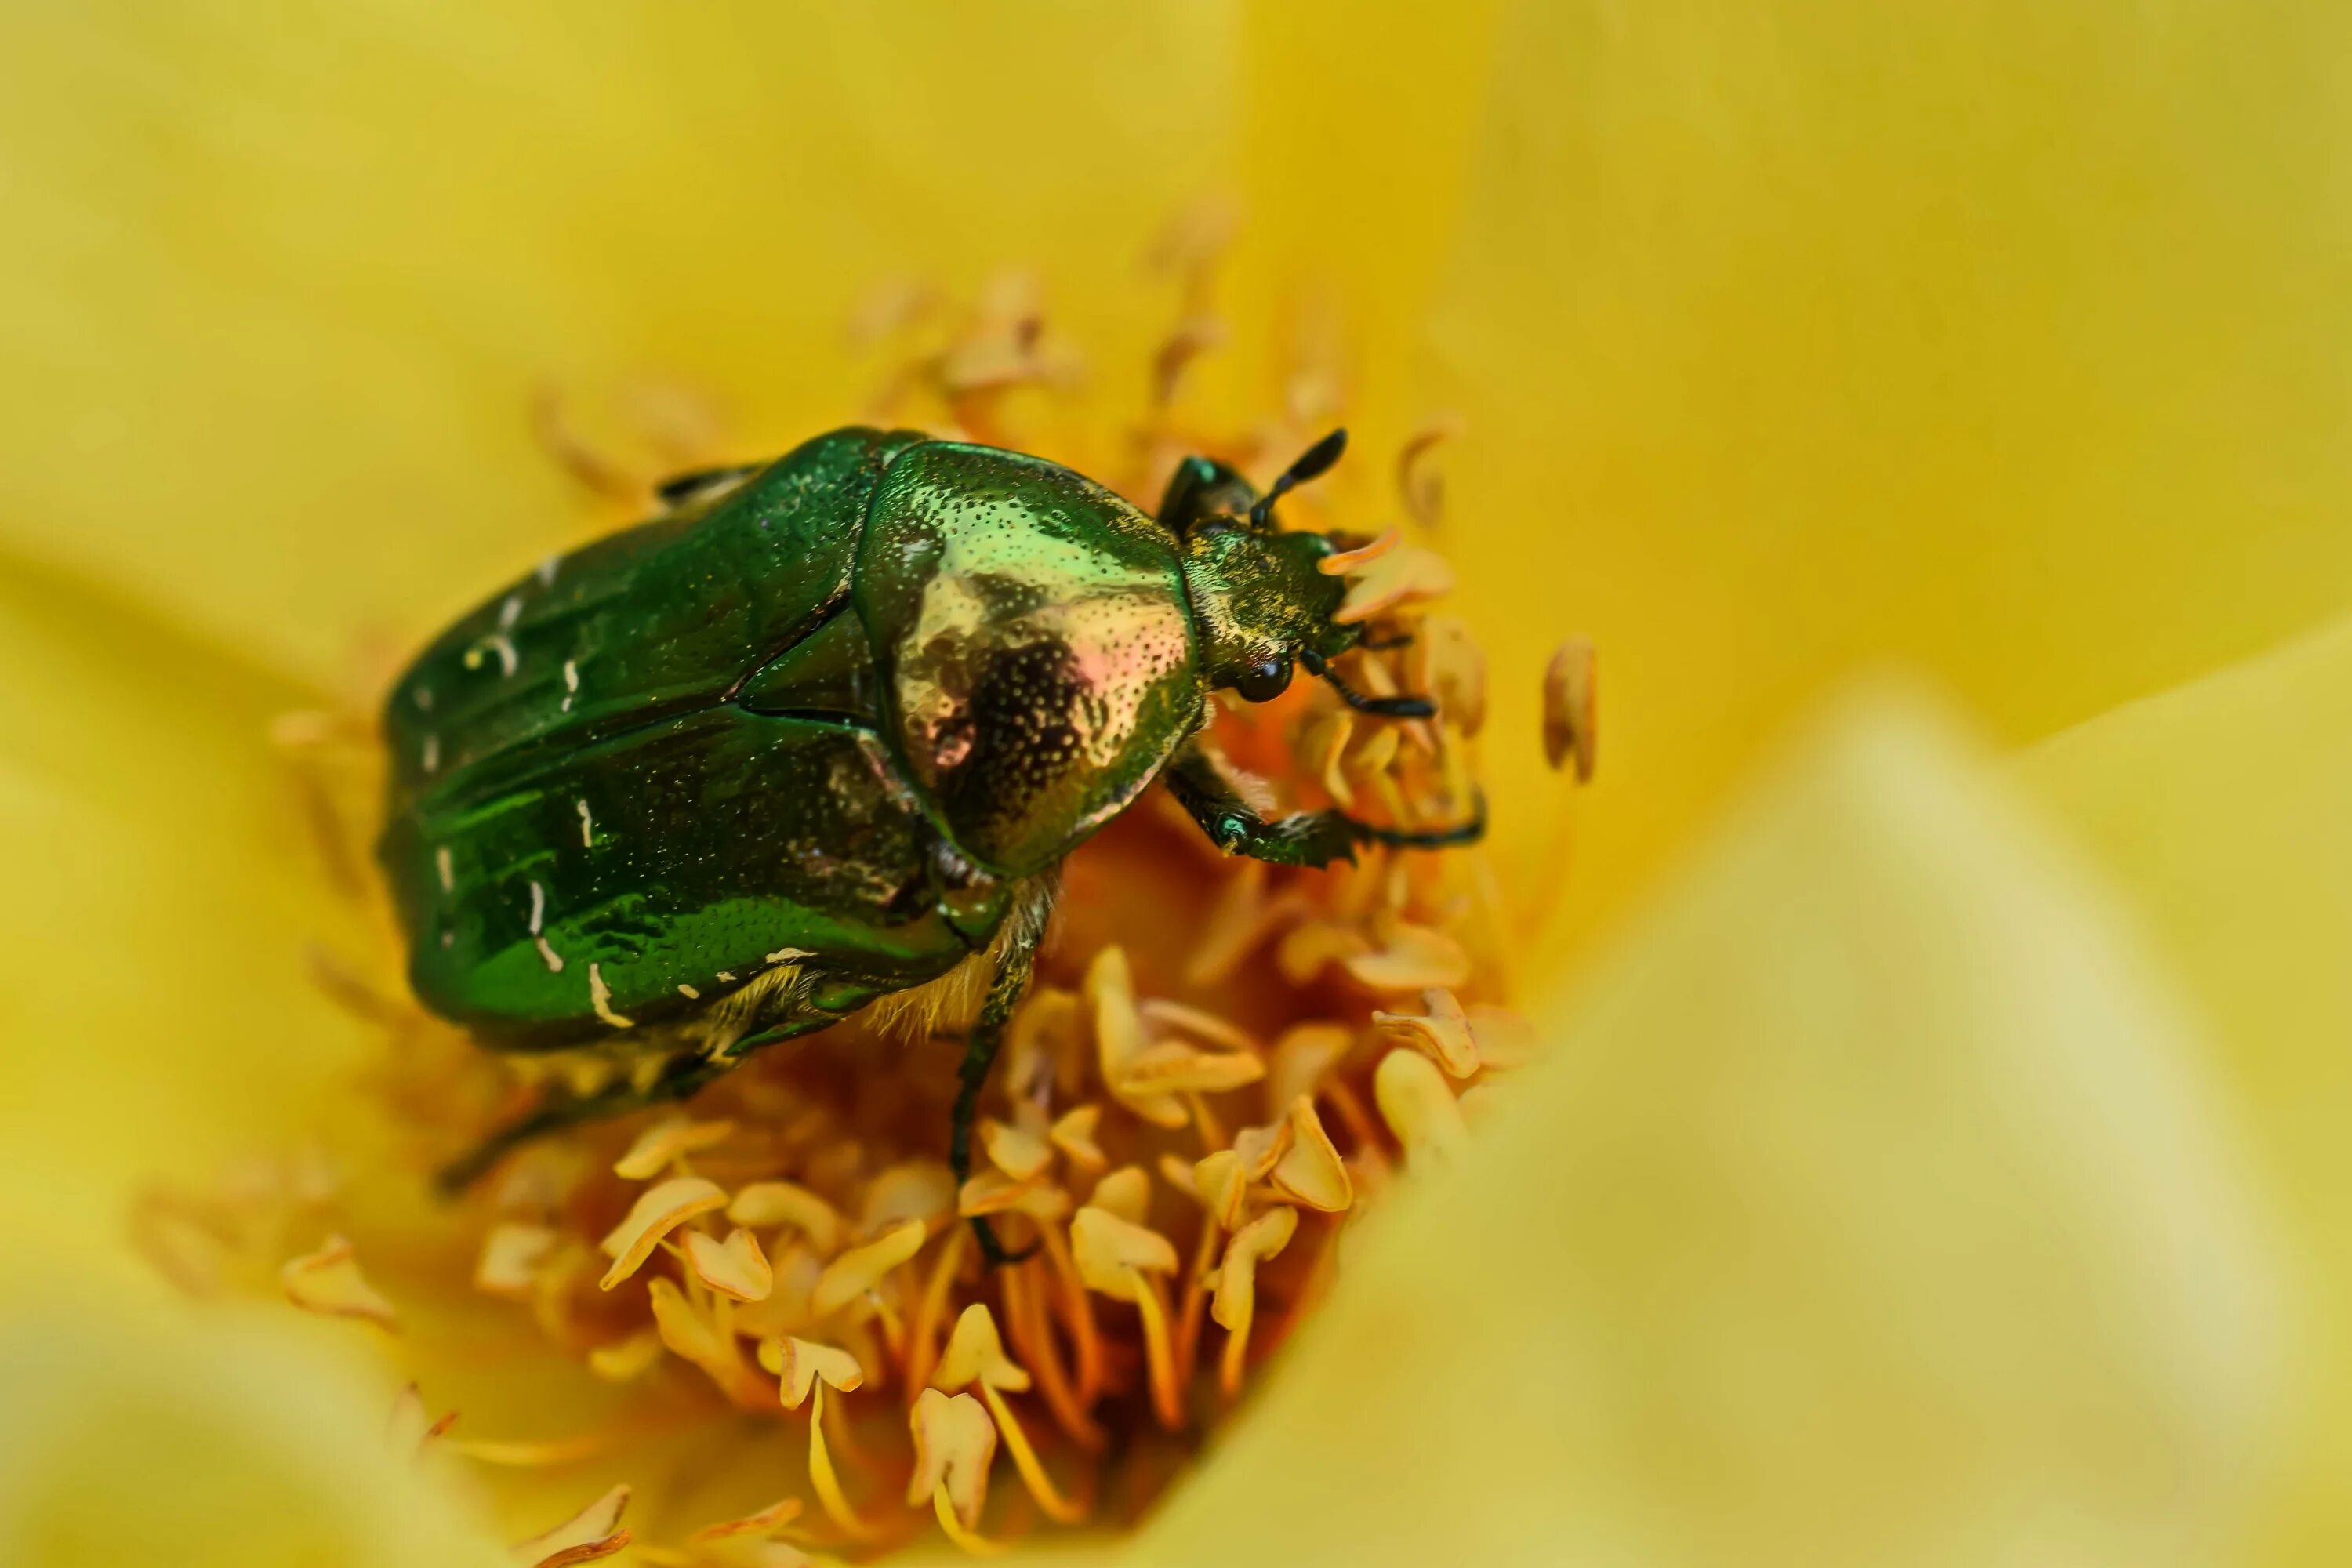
{"x":1874,"y":1200}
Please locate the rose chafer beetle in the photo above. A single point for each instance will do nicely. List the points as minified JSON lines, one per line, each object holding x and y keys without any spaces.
{"x":820,"y":735}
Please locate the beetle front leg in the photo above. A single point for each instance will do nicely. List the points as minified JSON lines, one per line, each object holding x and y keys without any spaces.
{"x":1302,"y":839}
{"x":1013,"y":967}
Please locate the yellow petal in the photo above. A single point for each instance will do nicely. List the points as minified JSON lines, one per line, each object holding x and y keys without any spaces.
{"x":2221,"y":808}
{"x":2000,"y":340}
{"x":658,"y":1210}
{"x":155,"y":912}
{"x":311,"y":445}
{"x":1881,"y":1124}
{"x":223,"y":1443}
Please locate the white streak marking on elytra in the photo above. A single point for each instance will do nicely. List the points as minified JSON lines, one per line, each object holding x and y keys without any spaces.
{"x":554,"y":959}
{"x":727,"y":977}
{"x":510,"y":611}
{"x":587,"y":825}
{"x":448,"y":872}
{"x":423,"y":699}
{"x":448,"y":939}
{"x":547,"y":570}
{"x":432,"y":758}
{"x":570,"y":682}
{"x":600,"y":998}
{"x":498,"y":643}
{"x":689,"y":992}
{"x":537,"y":908}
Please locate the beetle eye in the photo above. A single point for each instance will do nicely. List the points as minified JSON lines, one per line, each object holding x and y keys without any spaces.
{"x":1266,"y":682}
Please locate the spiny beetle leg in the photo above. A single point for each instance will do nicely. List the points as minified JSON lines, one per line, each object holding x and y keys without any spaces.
{"x":1013,"y":967}
{"x":558,"y":1108}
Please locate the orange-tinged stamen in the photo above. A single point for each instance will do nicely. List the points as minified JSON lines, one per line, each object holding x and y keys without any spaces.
{"x":1057,"y":1508}
{"x":1160,"y":1354}
{"x":827,"y":1484}
{"x":971,"y":1540}
{"x":595,"y":1531}
{"x":328,"y":1281}
{"x":1025,"y":1318}
{"x":1077,"y":1310}
{"x":932,"y":1306}
{"x":1339,"y":562}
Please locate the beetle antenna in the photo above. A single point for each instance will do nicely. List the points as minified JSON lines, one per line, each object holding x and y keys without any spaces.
{"x":1313,"y":463}
{"x":1386,"y":707}
{"x":1468,"y":832}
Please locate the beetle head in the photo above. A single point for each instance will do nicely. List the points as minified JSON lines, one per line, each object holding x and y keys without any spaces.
{"x":1262,"y":601}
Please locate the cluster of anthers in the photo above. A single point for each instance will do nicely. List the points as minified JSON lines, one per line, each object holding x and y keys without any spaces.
{"x":1221,"y":1066}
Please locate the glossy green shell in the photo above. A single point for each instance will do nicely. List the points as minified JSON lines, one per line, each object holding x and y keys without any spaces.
{"x":824,"y":719}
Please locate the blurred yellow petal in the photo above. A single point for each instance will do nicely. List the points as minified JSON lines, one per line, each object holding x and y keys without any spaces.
{"x":284,"y":286}
{"x":2010,"y":339}
{"x":227,"y":1447}
{"x":1870,"y":1208}
{"x":2225,"y":808}
{"x":163,"y":896}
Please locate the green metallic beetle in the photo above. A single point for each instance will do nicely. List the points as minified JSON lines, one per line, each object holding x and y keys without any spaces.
{"x":820,"y":735}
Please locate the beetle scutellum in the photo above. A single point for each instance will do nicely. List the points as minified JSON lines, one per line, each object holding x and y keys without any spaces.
{"x":820,"y":735}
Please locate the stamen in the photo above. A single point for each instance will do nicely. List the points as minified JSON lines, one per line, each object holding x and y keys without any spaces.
{"x":856,"y":1271}
{"x":671,"y":1139}
{"x":975,"y":1356}
{"x":657,"y":1211}
{"x":1237,"y":1298}
{"x":1568,"y":712}
{"x":591,"y":1533}
{"x":955,"y":1444}
{"x":1418,"y":1107}
{"x":328,"y":1281}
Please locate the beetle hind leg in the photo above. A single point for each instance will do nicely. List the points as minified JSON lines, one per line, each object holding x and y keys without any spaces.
{"x":559,"y":1107}
{"x":681,"y":1078}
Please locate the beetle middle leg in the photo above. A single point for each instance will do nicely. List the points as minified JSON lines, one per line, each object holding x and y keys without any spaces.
{"x":1302,"y":839}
